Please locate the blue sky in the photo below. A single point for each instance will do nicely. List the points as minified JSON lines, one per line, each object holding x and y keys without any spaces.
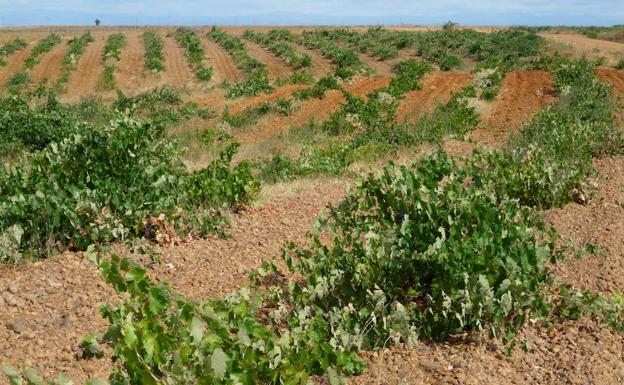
{"x":285,"y":12}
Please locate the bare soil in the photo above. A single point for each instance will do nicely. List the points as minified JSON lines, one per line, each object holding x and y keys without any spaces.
{"x":84,"y":81}
{"x":48,"y":306}
{"x":437,"y":87}
{"x":131,"y":75}
{"x":276,"y":66}
{"x":522,"y":94}
{"x":50,"y":64}
{"x":223,"y":65}
{"x":317,"y":109}
{"x":14,"y":63}
{"x":582,"y":46}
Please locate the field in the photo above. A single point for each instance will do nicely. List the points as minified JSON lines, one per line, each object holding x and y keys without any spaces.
{"x":398,"y":205}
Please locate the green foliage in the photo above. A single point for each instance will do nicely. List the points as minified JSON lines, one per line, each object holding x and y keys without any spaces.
{"x":114,"y":44}
{"x":19,"y":79}
{"x":407,"y":76}
{"x":43,"y":46}
{"x":250,"y":87}
{"x":101,"y":185}
{"x":10,"y":47}
{"x":77,"y":47}
{"x":194,"y":53}
{"x":108,"y":77}
{"x":415,"y":252}
{"x":620,"y":65}
{"x":328,"y":82}
{"x":33,"y":128}
{"x":250,"y":115}
{"x":257,"y":75}
{"x":277,"y":42}
{"x":345,"y":59}
{"x":376,"y":41}
{"x":443,"y":47}
{"x":154,"y":59}
{"x":546,"y":166}
{"x":313,"y":160}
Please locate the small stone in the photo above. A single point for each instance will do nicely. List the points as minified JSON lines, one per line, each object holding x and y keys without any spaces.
{"x":13,"y":289}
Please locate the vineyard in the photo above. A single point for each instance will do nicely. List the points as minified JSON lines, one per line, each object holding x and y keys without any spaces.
{"x":224,"y":205}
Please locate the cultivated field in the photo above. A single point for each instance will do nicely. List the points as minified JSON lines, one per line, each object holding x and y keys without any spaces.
{"x":399,"y":205}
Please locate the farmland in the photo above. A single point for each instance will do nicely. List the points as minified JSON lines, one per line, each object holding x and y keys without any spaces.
{"x":283,"y":205}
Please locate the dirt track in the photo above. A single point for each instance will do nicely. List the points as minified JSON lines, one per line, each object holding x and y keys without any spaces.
{"x":276,"y":66}
{"x":613,"y":77}
{"x":223,"y":65}
{"x":14,"y":63}
{"x":84,"y":80}
{"x":320,"y":65}
{"x":50,"y":64}
{"x":437,"y":87}
{"x":131,"y":75}
{"x":521,"y":95}
{"x":584,"y":46}
{"x":178,"y":73}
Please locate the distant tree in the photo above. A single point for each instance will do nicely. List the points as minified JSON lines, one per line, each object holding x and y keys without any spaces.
{"x":450,"y":25}
{"x":97,"y":22}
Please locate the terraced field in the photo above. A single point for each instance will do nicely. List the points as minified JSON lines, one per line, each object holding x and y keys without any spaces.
{"x":429,"y":267}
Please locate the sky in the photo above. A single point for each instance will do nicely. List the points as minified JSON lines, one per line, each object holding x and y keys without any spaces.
{"x":318,"y":12}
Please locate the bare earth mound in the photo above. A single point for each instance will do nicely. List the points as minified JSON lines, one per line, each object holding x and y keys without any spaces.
{"x":84,"y":81}
{"x":437,"y":87}
{"x":50,"y":64}
{"x":276,"y":66}
{"x":223,"y":65}
{"x":522,"y":94}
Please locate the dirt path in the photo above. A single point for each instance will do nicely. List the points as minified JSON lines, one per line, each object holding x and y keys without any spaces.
{"x":178,"y":73}
{"x":437,"y":87}
{"x":276,"y":66}
{"x":317,"y":109}
{"x":320,"y":65}
{"x":131,"y":75}
{"x":48,"y":306}
{"x":521,"y":95}
{"x":84,"y":80}
{"x":285,"y":91}
{"x":584,"y":46}
{"x":598,"y":223}
{"x":613,"y":77}
{"x":380,"y":67}
{"x":14,"y":63}
{"x":222,"y":63}
{"x":50,"y":65}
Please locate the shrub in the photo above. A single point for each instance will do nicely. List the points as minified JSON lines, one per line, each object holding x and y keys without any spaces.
{"x":43,"y":46}
{"x":10,"y":47}
{"x":154,"y":59}
{"x":114,"y":44}
{"x":194,"y":53}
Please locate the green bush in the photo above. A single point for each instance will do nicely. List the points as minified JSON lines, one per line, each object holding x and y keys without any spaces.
{"x":19,"y":79}
{"x":194,"y":53}
{"x":43,"y":46}
{"x":10,"y":47}
{"x":154,"y":59}
{"x":114,"y":44}
{"x":103,"y":185}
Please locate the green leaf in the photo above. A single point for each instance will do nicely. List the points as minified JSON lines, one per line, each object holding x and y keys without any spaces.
{"x":14,"y":376}
{"x":218,"y":362}
{"x":197,"y":329}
